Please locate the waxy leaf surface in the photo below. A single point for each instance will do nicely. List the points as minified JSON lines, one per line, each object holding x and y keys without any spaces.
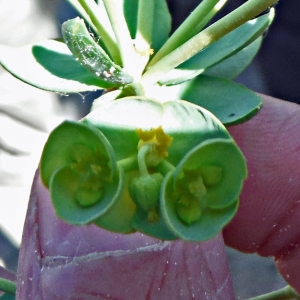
{"x":49,"y":65}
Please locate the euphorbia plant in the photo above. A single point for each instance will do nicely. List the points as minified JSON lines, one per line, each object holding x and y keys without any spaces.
{"x":153,"y":155}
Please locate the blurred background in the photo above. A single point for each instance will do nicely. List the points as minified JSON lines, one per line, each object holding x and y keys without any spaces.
{"x":27,"y":115}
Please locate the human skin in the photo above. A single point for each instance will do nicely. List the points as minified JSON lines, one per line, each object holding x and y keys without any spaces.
{"x":59,"y":261}
{"x":268,"y":218}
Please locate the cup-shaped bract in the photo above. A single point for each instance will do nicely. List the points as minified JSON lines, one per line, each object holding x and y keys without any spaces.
{"x":79,"y":168}
{"x":201,"y":196}
{"x":64,"y":187}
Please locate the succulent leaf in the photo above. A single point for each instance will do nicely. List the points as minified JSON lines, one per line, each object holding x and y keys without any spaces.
{"x":66,"y":183}
{"x":90,"y":54}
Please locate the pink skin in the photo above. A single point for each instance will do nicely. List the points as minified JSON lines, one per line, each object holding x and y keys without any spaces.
{"x":55,"y":263}
{"x":268,"y":219}
{"x":95,"y":264}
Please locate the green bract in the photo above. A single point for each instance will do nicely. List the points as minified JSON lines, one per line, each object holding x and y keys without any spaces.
{"x":201,"y":195}
{"x":79,"y":168}
{"x":153,"y":154}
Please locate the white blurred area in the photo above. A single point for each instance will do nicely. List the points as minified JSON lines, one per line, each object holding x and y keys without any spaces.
{"x":22,"y":22}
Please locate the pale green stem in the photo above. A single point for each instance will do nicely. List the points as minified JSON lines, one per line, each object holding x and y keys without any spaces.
{"x":185,"y":30}
{"x":7,"y":286}
{"x":115,"y":13}
{"x":209,"y":16}
{"x":244,"y":13}
{"x":98,"y":16}
{"x":142,"y":159}
{"x":129,"y":163}
{"x":286,"y":293}
{"x":165,"y":167}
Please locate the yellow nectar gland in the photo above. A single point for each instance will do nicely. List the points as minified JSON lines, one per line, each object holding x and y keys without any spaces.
{"x":191,"y":190}
{"x":145,"y":52}
{"x":159,"y":141}
{"x":95,"y":170}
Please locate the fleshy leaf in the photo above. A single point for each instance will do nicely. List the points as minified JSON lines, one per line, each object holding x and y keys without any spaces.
{"x":161,"y":25}
{"x":63,"y":188}
{"x":206,"y":227}
{"x":71,"y":142}
{"x":235,"y":64}
{"x":130,"y":8}
{"x":91,"y":55}
{"x":222,"y":167}
{"x":230,"y":43}
{"x":230,"y":102}
{"x":225,"y":47}
{"x":49,"y":65}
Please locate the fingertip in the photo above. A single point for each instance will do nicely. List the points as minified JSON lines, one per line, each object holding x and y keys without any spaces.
{"x":267,"y":217}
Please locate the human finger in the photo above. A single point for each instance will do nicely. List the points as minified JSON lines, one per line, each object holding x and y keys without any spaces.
{"x":267,"y":221}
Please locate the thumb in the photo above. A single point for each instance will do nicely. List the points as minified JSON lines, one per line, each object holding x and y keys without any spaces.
{"x":267,"y":221}
{"x":60,"y":261}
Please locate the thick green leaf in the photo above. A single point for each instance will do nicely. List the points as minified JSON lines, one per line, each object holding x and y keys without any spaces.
{"x":228,"y":68}
{"x":130,"y":12}
{"x":63,"y":188}
{"x":161,"y":25}
{"x":206,"y":227}
{"x":229,"y":44}
{"x":49,"y":65}
{"x":230,"y":102}
{"x":219,"y":50}
{"x":91,"y":55}
{"x":235,"y":64}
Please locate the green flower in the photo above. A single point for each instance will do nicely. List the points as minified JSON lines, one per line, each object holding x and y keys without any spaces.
{"x":79,"y":168}
{"x":172,"y":172}
{"x":201,"y":196}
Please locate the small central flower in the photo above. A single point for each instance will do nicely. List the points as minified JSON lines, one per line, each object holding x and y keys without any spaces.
{"x":191,"y":190}
{"x":95,"y":171}
{"x":146,"y":51}
{"x":158,"y":141}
